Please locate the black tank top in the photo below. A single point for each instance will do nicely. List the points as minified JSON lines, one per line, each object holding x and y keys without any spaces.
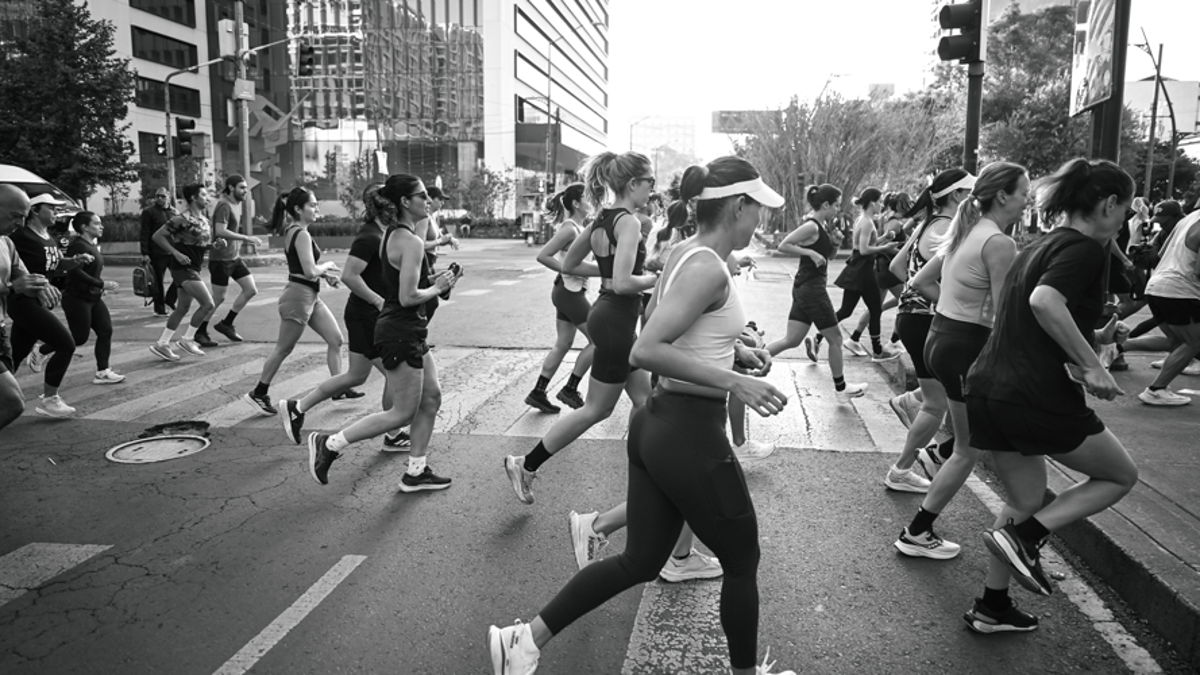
{"x":607,"y":221}
{"x":809,"y":270}
{"x":295,"y":269}
{"x":392,"y":309}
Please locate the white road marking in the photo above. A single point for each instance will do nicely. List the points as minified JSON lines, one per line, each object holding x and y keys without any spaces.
{"x":473,"y":291}
{"x":506,"y":282}
{"x":535,"y":268}
{"x":34,"y":564}
{"x":270,"y":636}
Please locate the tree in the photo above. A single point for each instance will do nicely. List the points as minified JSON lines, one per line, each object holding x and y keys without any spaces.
{"x":487,"y":192}
{"x":63,"y":97}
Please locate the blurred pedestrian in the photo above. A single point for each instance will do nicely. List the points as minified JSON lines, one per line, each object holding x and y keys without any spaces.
{"x":83,"y":296}
{"x":154,"y":256}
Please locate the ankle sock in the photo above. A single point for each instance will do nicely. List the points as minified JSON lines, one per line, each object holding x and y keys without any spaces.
{"x":922,"y":522}
{"x":839,"y":383}
{"x":261,"y":388}
{"x":536,"y":457}
{"x":877,"y":344}
{"x":166,"y":336}
{"x":203,"y":327}
{"x":228,"y":320}
{"x":416,"y":465}
{"x":336,"y":442}
{"x":996,"y":598}
{"x":542,"y":383}
{"x":573,"y":382}
{"x":856,"y":336}
{"x":190,"y":333}
{"x":1031,"y":531}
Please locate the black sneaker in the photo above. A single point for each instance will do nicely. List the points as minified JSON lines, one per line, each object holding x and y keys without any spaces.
{"x":398,"y":442}
{"x":227,"y":330}
{"x":537,"y":399}
{"x":348,"y":395}
{"x":571,"y":397}
{"x":292,"y":419}
{"x":320,"y":457}
{"x":1024,"y":562}
{"x":261,"y":404}
{"x":428,"y":480}
{"x":204,"y":340}
{"x":984,"y":619}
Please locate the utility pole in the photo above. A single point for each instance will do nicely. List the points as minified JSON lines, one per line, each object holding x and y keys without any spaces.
{"x":242,"y":50}
{"x":1153,"y":123}
{"x":1159,"y":85}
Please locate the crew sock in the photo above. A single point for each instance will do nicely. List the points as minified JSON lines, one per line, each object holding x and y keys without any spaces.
{"x":922,"y":522}
{"x":536,"y":457}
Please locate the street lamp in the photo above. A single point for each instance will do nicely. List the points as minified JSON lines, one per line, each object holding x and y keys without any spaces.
{"x":1158,"y":85}
{"x":634,"y":124}
{"x":549,"y":104}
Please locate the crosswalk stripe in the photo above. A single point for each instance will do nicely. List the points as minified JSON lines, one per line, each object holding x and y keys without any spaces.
{"x":473,"y":291}
{"x":34,"y":564}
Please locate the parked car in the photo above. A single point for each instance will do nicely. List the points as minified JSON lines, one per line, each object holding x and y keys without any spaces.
{"x":34,"y":185}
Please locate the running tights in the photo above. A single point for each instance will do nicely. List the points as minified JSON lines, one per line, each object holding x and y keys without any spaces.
{"x":86,"y":316}
{"x":681,"y":469}
{"x":32,"y":322}
{"x":873,"y":299}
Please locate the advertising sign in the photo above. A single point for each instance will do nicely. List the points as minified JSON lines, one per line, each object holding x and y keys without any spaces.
{"x":1092,"y":58}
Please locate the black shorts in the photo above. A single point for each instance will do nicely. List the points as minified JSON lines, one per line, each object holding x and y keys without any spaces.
{"x":612,"y":325}
{"x":1001,"y":426}
{"x":950,"y":349}
{"x":6,"y":363}
{"x":1174,"y":311}
{"x":360,"y":332}
{"x":182,"y":274}
{"x":221,"y":271}
{"x":811,"y":305}
{"x":914,"y":331}
{"x":570,"y":306}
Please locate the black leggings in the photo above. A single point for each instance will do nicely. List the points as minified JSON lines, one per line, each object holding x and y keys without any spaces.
{"x":32,"y":322}
{"x":86,"y":316}
{"x":680,"y":469}
{"x":872,"y":297}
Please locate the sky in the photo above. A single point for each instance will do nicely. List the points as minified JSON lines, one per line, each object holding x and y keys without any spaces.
{"x":690,"y":57}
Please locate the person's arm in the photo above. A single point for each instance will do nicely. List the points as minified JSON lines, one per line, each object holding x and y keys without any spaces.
{"x":629,"y":233}
{"x":927,"y":281}
{"x":163,"y":239}
{"x":862,"y":239}
{"x":81,"y":273}
{"x":580,"y":248}
{"x":899,"y":264}
{"x":798,"y":240}
{"x":562,"y":239}
{"x":352,"y":277}
{"x":407,"y":253}
{"x":147,"y":232}
{"x":1049,"y":308}
{"x":998,"y":253}
{"x":1193,"y":243}
{"x":220,"y":225}
{"x":313,"y":270}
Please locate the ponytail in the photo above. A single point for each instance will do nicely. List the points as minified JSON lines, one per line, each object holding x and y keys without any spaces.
{"x":288,"y":205}
{"x":819,"y":195}
{"x":607,"y":174}
{"x":1079,"y":185}
{"x":995,"y":178}
{"x":968,"y":215}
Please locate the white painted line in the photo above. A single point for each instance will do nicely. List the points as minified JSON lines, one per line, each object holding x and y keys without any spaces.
{"x":473,"y":291}
{"x":263,"y":301}
{"x":506,"y":282}
{"x":34,"y":564}
{"x":270,"y":636}
{"x":535,"y":268}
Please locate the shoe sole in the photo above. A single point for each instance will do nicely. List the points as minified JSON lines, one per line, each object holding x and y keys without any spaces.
{"x":1001,"y":547}
{"x":312,"y":459}
{"x":496,"y":647}
{"x":108,"y":381}
{"x":570,"y":404}
{"x":1160,"y":403}
{"x":922,"y":552}
{"x":884,"y":359}
{"x":904,"y":487}
{"x":423,"y":487}
{"x":901,"y":413}
{"x":578,"y":541}
{"x":395,"y":448}
{"x":287,"y":422}
{"x":514,"y":479}
{"x":991,"y":628}
{"x":47,"y":413}
{"x":541,"y":407}
{"x":164,"y":357}
{"x":672,"y":578}
{"x":258,"y":408}
{"x":810,"y":350}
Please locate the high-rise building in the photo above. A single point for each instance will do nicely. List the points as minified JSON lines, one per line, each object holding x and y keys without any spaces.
{"x":658,"y":131}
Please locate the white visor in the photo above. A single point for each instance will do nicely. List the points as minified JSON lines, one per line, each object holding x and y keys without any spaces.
{"x":755,"y":189}
{"x":967,"y":182}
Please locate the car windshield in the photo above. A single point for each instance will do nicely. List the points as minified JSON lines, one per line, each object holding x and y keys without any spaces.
{"x":35,"y":189}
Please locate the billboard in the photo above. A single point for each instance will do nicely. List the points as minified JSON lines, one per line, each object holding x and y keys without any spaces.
{"x":744,"y":121}
{"x":1092,"y":56}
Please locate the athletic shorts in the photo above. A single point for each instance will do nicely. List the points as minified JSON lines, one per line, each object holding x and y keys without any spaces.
{"x":297,"y":303}
{"x":182,"y":274}
{"x":914,"y":330}
{"x":570,"y":306}
{"x":811,"y":305}
{"x":1001,"y":426}
{"x":6,"y":363}
{"x":221,"y":271}
{"x":950,"y":349}
{"x":1174,"y":311}
{"x":612,"y":325}
{"x":398,"y":342}
{"x":361,"y":335}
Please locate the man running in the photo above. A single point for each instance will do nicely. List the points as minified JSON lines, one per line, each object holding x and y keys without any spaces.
{"x":14,"y":281}
{"x":225,"y":262}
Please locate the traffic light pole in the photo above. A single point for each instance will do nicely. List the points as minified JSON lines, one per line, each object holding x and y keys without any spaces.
{"x":169,"y":134}
{"x":974,"y":111}
{"x":243,"y":117}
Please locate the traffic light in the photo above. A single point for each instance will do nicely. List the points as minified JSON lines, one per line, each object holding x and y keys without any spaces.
{"x":160,"y":146}
{"x":183,"y":136}
{"x":306,"y":60}
{"x":970,"y":44}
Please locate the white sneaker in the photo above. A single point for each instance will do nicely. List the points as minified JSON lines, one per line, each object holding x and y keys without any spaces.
{"x":1163,"y":397}
{"x":695,"y":566}
{"x":521,"y":479}
{"x":53,"y":406}
{"x":853,"y":347}
{"x":107,"y":376}
{"x":588,"y":543}
{"x":188,"y":346}
{"x":930,"y":460}
{"x":37,"y":360}
{"x":851,"y":391}
{"x":885,"y":356}
{"x":753,"y":450}
{"x":163,"y":351}
{"x":906,"y":406}
{"x":765,"y":667}
{"x":905,"y":481}
{"x":926,"y":545}
{"x":1192,"y":368}
{"x":513,"y":650}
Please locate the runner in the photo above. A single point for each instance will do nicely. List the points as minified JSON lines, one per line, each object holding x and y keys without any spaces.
{"x":971,"y":263}
{"x":857,"y":279}
{"x":894,"y":228}
{"x":569,"y":298}
{"x":83,"y":295}
{"x":225,"y":262}
{"x":186,"y":237}
{"x":679,"y":457}
{"x":400,"y":334}
{"x":1026,"y":390}
{"x":300,"y":304}
{"x":15,"y":281}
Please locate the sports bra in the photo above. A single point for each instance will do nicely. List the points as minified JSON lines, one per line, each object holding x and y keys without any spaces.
{"x":710,"y":339}
{"x":606,"y":221}
{"x":295,"y":269}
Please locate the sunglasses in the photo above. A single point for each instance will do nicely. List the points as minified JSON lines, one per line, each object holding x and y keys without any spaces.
{"x":419,"y":195}
{"x":646,"y":179}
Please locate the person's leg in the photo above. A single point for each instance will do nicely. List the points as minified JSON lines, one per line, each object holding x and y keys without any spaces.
{"x":564,"y":338}
{"x":955,"y":471}
{"x":79,"y":318}
{"x":285,"y":342}
{"x":427,"y":410}
{"x":159,"y":264}
{"x":934,"y":405}
{"x":833,"y":335}
{"x":1024,"y":480}
{"x":249,"y":289}
{"x":873,"y":299}
{"x":199,"y":291}
{"x":102,"y":327}
{"x":849,"y":302}
{"x":12,"y":400}
{"x":796,"y":330}
{"x":1111,"y":475}
{"x":1188,"y":339}
{"x":405,"y":383}
{"x":53,"y":333}
{"x":325,"y":324}
{"x":218,"y":297}
{"x":355,"y":375}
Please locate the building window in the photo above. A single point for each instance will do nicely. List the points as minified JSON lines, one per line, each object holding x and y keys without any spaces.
{"x":179,"y":11}
{"x":162,"y":49}
{"x":151,"y":94}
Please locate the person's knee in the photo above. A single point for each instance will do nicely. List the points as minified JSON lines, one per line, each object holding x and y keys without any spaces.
{"x":431,"y":399}
{"x":1025,"y":502}
{"x":597,"y":411}
{"x":12,"y":402}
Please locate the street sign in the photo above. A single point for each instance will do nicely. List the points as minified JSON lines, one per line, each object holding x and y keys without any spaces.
{"x":1092,"y":57}
{"x":243,"y":90}
{"x":743,"y":121}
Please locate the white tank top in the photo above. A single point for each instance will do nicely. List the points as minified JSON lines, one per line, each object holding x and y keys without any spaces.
{"x":966,"y":293}
{"x":570,"y":281}
{"x":711,"y":338}
{"x":1174,"y":277}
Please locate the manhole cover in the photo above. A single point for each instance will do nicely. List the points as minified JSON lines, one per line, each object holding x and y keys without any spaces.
{"x":157,"y":449}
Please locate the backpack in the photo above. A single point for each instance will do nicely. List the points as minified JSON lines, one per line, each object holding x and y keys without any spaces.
{"x":143,"y":282}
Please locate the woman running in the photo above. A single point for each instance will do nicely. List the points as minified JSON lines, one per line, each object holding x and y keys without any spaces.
{"x":893,"y":228}
{"x":1027,"y":387}
{"x":857,"y":279}
{"x":938,"y":202}
{"x":83,"y":295}
{"x":570,"y":302}
{"x":300,"y":304}
{"x":811,"y":305}
{"x":400,"y":333}
{"x":970,"y":263}
{"x":186,"y":237}
{"x":681,"y":467}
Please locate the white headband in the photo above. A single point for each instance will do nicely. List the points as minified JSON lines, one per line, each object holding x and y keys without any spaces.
{"x":743,"y":188}
{"x":965,"y":183}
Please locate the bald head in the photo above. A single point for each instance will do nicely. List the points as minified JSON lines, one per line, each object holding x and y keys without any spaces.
{"x":14,"y":206}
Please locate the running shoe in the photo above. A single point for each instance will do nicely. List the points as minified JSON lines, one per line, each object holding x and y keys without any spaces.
{"x":983,"y":619}
{"x":765,"y":667}
{"x":348,"y":395}
{"x":37,"y":360}
{"x":537,"y":399}
{"x":513,"y":650}
{"x":204,"y":340}
{"x":53,"y":406}
{"x":905,"y":481}
{"x":1192,"y":368}
{"x":587,"y":543}
{"x":1163,"y":397}
{"x":811,"y":348}
{"x":320,"y":457}
{"x":227,"y":330}
{"x":426,"y":480}
{"x":925,"y":545}
{"x":292,"y":418}
{"x":397,"y":442}
{"x":854,"y":347}
{"x":930,"y":460}
{"x":851,"y":391}
{"x":163,"y":351}
{"x":1118,"y":364}
{"x":188,"y":346}
{"x":1025,"y":563}
{"x":571,"y":397}
{"x":753,"y":450}
{"x":107,"y":376}
{"x":261,"y":404}
{"x":695,"y":566}
{"x":885,"y":355}
{"x":906,"y":406}
{"x":521,"y":479}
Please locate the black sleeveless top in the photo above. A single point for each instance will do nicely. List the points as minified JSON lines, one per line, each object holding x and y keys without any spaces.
{"x":810,"y":271}
{"x":392,"y":309}
{"x":606,"y":221}
{"x":295,"y":269}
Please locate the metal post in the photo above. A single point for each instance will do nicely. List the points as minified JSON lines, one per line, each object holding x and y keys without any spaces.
{"x":974,"y":104}
{"x":1153,"y":124}
{"x":1106,"y":117}
{"x":243,"y":115}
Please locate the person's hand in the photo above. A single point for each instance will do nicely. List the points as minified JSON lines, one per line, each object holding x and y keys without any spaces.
{"x":254,"y":241}
{"x":29,"y":284}
{"x":444,"y":281}
{"x":755,"y":362}
{"x":759,"y":395}
{"x":379,"y":304}
{"x":892,"y":248}
{"x":817,"y":259}
{"x":111,"y":286}
{"x":85,"y":258}
{"x":332,"y":279}
{"x":220,"y":242}
{"x":49,"y":296}
{"x":1096,"y":381}
{"x":453,"y":242}
{"x":654,"y":265}
{"x":181,"y":258}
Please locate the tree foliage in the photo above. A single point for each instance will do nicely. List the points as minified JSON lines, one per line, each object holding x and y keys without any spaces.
{"x":487,"y":192}
{"x":64,"y":95}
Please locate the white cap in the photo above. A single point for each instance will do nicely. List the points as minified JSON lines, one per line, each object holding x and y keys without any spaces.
{"x":46,"y":198}
{"x":755,"y":189}
{"x":967,"y":182}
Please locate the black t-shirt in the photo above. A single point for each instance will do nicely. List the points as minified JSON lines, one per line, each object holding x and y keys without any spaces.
{"x":1021,"y":363}
{"x":85,"y":281}
{"x":366,"y":248}
{"x":41,"y":256}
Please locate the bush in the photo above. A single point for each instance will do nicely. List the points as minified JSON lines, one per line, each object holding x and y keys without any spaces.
{"x":494,"y":228}
{"x":122,"y":227}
